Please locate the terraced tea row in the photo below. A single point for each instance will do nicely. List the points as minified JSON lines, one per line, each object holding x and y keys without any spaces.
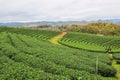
{"x":34,"y":59}
{"x":117,"y":58}
{"x":40,"y":34}
{"x":91,"y":42}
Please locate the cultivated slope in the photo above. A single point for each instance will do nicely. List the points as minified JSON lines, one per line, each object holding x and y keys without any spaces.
{"x":31,"y":58}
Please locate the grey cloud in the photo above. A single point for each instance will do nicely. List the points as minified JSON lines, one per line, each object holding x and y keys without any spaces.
{"x":51,"y":10}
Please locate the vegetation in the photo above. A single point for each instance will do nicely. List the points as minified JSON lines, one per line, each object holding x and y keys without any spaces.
{"x":95,"y":28}
{"x":40,"y":34}
{"x":23,"y":55}
{"x":117,"y":57}
{"x":91,"y":42}
{"x":44,"y":26}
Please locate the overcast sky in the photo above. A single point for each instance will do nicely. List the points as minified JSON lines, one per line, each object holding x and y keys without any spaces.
{"x":58,"y":10}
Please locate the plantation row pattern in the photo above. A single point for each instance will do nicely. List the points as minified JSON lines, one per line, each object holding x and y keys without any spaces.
{"x":91,"y":42}
{"x":25,"y":57}
{"x":39,"y":34}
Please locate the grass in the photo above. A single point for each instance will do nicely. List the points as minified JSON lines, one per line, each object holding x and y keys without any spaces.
{"x":116,"y":66}
{"x":55,"y":39}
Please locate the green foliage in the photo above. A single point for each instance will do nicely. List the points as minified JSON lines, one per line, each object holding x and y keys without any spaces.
{"x":10,"y":70}
{"x":95,"y":28}
{"x":91,"y":42}
{"x":23,"y":57}
{"x":117,"y":57}
{"x":39,"y":34}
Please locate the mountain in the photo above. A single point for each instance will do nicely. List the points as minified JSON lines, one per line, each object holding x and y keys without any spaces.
{"x":11,"y":24}
{"x":32,"y":24}
{"x":59,"y":23}
{"x":114,"y":21}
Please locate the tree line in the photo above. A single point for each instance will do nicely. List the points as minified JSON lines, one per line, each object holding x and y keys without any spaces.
{"x":94,"y":28}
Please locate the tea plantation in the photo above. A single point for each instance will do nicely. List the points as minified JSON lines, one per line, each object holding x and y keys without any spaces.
{"x":27,"y":54}
{"x":91,"y":42}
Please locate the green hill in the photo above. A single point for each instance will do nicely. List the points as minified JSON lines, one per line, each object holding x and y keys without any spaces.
{"x":91,"y":42}
{"x":26,"y":56}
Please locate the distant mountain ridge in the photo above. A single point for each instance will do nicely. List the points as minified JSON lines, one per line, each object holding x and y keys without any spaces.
{"x":115,"y":21}
{"x":59,"y":23}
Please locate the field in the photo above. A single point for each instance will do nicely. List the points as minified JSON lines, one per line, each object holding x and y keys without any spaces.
{"x":27,"y":54}
{"x":97,"y":43}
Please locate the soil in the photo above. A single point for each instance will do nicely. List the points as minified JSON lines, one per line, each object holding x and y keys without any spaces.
{"x":55,"y":39}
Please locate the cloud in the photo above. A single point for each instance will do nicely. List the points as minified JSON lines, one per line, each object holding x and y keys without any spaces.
{"x":58,"y":10}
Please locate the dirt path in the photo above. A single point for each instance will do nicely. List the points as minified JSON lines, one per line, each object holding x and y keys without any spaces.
{"x":116,"y":66}
{"x":55,"y":39}
{"x":118,"y":76}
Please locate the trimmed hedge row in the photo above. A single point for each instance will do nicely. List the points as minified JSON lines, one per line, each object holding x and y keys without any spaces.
{"x":116,"y":56}
{"x":39,"y":34}
{"x":91,"y":42}
{"x":57,"y":62}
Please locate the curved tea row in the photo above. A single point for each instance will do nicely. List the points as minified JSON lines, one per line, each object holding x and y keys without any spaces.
{"x":91,"y":42}
{"x":26,"y":57}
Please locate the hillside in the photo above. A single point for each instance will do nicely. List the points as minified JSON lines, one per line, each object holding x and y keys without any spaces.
{"x":28,"y":54}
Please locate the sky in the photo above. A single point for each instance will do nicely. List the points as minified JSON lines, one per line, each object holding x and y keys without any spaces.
{"x":58,"y":10}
